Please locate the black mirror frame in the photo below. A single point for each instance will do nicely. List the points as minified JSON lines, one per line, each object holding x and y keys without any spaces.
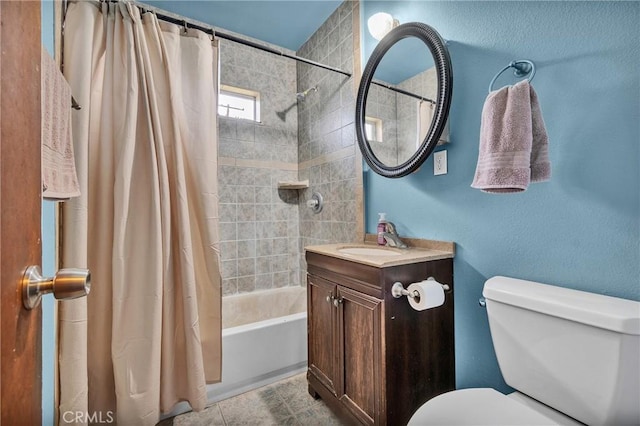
{"x":436,"y":45}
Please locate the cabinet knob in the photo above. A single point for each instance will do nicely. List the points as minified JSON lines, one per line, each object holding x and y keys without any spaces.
{"x":337,"y":301}
{"x":329,"y":298}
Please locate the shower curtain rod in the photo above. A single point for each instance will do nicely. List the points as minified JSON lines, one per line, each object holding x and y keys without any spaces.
{"x":401,"y":91}
{"x":221,"y":34}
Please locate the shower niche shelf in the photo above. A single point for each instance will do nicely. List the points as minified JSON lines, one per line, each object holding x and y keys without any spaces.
{"x":293,"y":184}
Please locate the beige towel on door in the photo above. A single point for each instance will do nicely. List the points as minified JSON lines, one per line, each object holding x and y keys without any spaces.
{"x":513,"y":141}
{"x":59,"y":179}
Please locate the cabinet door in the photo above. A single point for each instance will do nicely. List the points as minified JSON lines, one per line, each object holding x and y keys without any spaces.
{"x":360,"y":349}
{"x":321,"y":330}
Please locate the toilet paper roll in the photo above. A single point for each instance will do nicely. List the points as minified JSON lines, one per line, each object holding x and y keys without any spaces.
{"x":430,"y":292}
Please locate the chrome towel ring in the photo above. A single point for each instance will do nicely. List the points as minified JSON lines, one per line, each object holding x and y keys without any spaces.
{"x":521,"y":67}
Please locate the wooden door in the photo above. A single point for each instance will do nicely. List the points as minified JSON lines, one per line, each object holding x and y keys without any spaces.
{"x":360,"y":349}
{"x":321,"y":326}
{"x":20,"y":204}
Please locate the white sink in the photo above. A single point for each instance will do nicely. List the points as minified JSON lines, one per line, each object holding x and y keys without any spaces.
{"x":368,"y":251}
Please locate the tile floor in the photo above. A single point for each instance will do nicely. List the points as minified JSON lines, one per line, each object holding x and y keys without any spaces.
{"x":283,"y":403}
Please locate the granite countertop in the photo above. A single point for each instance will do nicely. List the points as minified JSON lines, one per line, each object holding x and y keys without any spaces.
{"x":389,"y":256}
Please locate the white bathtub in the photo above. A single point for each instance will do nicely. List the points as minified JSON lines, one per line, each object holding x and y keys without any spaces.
{"x":257,"y":354}
{"x":262,"y":352}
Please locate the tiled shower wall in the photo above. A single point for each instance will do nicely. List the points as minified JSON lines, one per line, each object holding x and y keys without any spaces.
{"x":259,"y":224}
{"x":382,"y":104}
{"x":326,"y":137}
{"x":263,"y":229}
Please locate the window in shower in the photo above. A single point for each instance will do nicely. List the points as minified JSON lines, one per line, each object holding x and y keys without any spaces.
{"x":373,"y":129}
{"x":236,"y":102}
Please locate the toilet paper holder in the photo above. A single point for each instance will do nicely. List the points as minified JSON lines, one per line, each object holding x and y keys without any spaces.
{"x":398,"y":290}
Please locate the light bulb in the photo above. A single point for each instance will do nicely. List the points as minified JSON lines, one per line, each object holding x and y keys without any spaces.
{"x":380,"y":24}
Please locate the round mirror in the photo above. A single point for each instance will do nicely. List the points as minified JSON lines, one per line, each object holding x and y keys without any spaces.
{"x":403,"y":99}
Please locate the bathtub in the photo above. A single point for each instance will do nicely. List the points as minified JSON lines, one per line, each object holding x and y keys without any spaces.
{"x":257,"y":354}
{"x":257,"y":351}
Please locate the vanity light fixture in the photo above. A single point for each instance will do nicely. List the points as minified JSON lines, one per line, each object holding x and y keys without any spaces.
{"x":380,"y":24}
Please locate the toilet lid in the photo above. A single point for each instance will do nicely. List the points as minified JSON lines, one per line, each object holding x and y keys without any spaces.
{"x":482,"y":406}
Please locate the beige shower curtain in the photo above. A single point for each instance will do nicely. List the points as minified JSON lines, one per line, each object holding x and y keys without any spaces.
{"x":149,"y":333}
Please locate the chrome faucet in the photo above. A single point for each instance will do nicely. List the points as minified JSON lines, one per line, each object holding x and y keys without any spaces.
{"x":391,"y":237}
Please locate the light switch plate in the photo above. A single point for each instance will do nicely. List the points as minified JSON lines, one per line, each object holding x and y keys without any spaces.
{"x":440,"y":162}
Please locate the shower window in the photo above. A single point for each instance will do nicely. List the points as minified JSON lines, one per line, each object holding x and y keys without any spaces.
{"x":373,"y":129}
{"x":241,"y":103}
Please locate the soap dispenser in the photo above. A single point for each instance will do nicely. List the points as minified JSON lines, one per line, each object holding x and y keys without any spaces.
{"x":382,"y":227}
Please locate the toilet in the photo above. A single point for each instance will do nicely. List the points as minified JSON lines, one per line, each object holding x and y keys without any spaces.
{"x":573,"y":357}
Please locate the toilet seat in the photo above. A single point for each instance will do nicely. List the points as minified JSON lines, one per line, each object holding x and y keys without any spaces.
{"x":483,"y":406}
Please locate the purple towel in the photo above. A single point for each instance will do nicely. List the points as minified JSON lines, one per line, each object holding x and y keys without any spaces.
{"x":513,"y":141}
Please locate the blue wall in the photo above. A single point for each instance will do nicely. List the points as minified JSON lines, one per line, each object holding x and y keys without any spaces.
{"x":48,"y":261}
{"x":581,"y":229}
{"x":295,"y":21}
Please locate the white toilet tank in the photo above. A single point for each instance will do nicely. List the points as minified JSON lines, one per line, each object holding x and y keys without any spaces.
{"x":575,"y":351}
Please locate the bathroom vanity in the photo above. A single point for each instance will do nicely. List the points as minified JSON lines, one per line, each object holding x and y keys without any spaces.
{"x":372,"y":358}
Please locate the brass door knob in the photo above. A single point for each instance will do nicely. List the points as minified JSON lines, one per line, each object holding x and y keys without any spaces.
{"x":69,"y":283}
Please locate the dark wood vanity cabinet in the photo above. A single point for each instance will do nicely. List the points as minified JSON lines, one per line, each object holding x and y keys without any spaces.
{"x":372,"y":358}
